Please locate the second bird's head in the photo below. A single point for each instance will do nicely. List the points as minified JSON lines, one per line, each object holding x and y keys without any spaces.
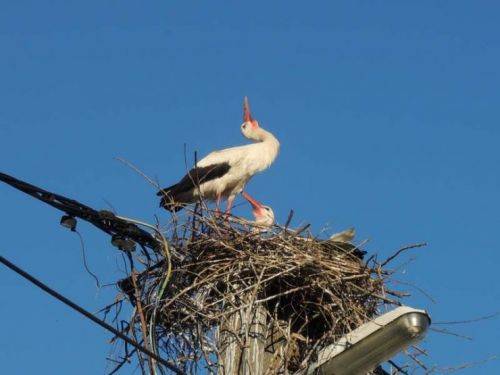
{"x":264,"y":215}
{"x":250,"y":127}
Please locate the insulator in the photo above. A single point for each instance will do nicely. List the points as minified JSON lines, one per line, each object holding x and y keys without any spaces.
{"x":122,"y":243}
{"x":68,"y":222}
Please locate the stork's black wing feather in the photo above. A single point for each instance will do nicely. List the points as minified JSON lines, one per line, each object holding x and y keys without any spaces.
{"x":186,"y":185}
{"x":197,"y":176}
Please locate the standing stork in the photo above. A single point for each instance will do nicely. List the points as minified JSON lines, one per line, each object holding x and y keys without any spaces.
{"x":224,"y":173}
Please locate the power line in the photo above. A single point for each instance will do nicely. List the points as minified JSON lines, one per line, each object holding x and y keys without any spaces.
{"x":103,"y":219}
{"x":89,"y":315}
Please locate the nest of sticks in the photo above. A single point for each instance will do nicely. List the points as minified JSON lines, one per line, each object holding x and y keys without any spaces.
{"x":222,"y":289}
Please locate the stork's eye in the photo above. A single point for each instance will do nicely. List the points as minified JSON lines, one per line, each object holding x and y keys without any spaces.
{"x":244,"y":126}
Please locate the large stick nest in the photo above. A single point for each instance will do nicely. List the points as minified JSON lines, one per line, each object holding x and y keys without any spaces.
{"x":308,"y":291}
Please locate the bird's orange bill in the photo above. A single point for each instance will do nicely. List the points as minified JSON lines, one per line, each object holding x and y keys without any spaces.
{"x":247,"y":117}
{"x":256,"y":205}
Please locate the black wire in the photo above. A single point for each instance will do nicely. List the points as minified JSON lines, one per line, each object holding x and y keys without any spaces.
{"x":104,"y":220}
{"x":85,"y":260}
{"x":89,"y":315}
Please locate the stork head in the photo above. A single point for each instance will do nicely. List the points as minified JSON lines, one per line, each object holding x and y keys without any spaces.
{"x":250,"y":127}
{"x":264,"y":215}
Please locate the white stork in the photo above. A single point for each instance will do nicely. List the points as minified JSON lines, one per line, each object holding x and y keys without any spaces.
{"x":224,"y":174}
{"x":264,"y":215}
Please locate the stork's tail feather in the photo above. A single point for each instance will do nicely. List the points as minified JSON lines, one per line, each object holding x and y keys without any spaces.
{"x":171,"y":206}
{"x":170,"y":191}
{"x":169,"y":203}
{"x":170,"y":200}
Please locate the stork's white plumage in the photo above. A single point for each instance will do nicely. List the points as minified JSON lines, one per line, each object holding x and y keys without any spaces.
{"x":345,"y":236}
{"x":225,"y":173}
{"x":264,"y":215}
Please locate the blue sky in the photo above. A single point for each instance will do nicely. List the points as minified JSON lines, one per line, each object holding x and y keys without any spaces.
{"x":387,"y":113}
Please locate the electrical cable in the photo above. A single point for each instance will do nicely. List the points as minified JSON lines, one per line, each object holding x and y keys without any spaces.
{"x":84,"y":257}
{"x":103,"y":219}
{"x":88,"y":315}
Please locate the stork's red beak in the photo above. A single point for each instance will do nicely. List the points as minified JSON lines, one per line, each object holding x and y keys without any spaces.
{"x":247,"y":117}
{"x":256,"y":205}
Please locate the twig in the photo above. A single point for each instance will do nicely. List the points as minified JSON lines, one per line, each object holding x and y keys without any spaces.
{"x":138,"y":171}
{"x":491,"y":316}
{"x":401,"y":250}
{"x":143,"y":322}
{"x":446,"y":332}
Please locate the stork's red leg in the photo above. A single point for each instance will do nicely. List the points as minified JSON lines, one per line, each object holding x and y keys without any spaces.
{"x":229,"y":204}
{"x":217,"y":204}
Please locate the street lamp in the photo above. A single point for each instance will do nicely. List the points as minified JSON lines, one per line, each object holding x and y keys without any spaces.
{"x":361,"y":350}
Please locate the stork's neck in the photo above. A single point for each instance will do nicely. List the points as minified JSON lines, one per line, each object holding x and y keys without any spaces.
{"x":269,"y":146}
{"x":267,"y":137}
